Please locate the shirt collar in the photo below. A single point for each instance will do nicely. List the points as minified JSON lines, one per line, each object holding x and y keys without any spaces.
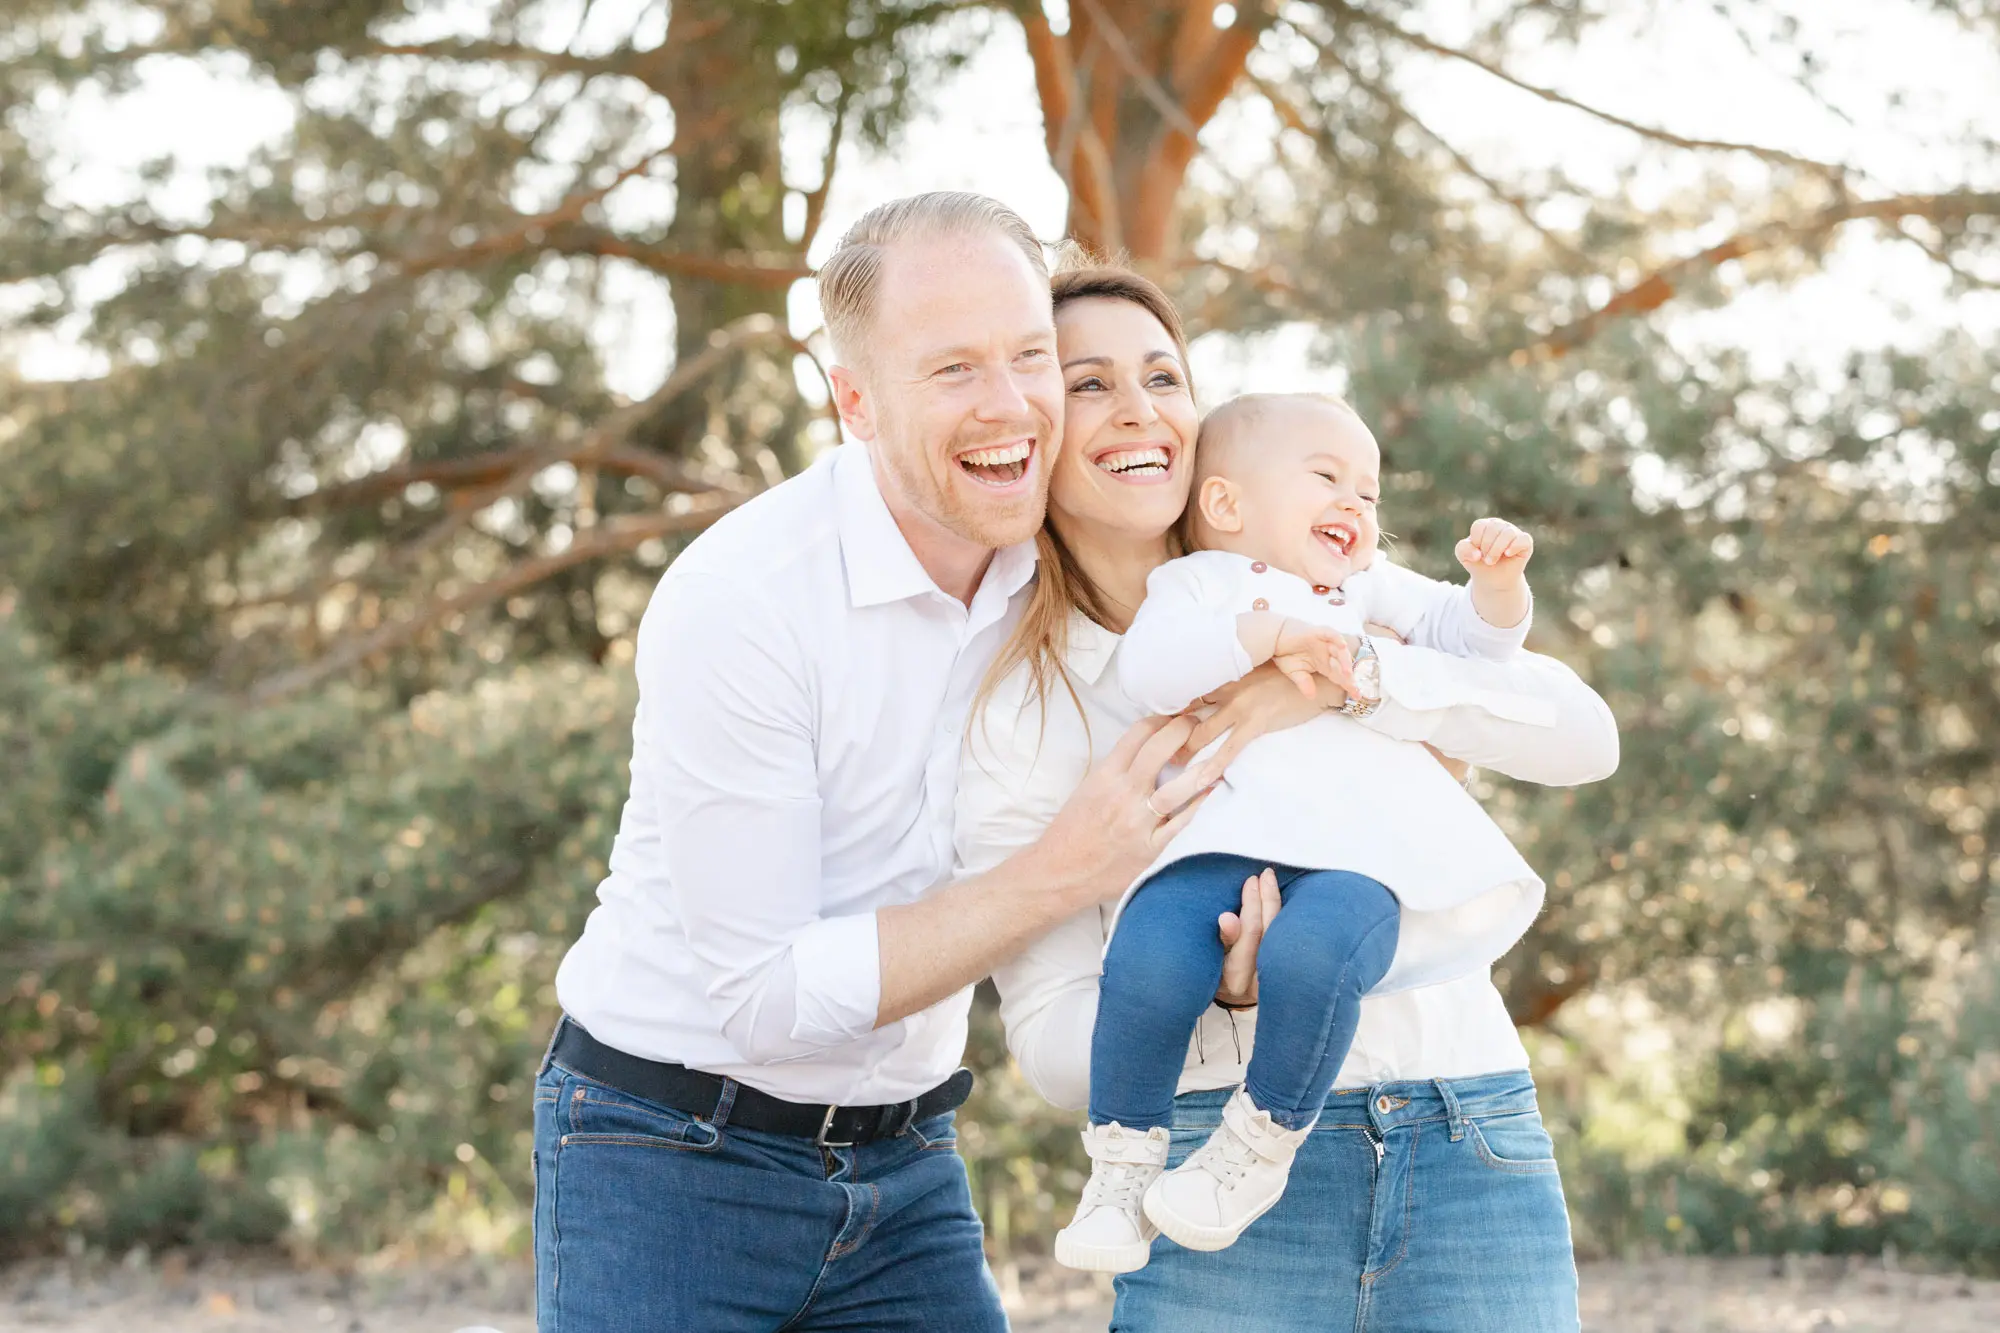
{"x":881,"y":567}
{"x":1090,"y":648}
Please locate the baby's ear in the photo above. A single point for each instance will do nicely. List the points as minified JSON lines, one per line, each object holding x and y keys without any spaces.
{"x":1217,"y":504}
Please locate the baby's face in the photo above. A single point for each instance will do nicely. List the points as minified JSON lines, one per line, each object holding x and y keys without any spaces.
{"x":1309,"y":491}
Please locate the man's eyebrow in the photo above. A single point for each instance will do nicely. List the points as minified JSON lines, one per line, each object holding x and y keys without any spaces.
{"x":972,"y":352}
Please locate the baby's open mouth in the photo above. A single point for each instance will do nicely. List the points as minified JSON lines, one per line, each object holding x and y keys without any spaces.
{"x":1151,"y":461}
{"x":1340,"y":536}
{"x":999,"y":465}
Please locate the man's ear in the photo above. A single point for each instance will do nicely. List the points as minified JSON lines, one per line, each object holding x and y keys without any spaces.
{"x":852,"y":401}
{"x":1216,"y":503}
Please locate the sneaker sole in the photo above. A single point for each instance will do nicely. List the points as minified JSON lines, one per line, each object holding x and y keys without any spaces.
{"x":1101,"y":1258}
{"x":1191,"y":1236}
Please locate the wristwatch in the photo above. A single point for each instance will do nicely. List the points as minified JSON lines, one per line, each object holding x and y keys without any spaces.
{"x":1366,"y":696}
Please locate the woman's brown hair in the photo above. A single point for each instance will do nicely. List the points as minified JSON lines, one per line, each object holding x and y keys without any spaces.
{"x":1041,"y":638}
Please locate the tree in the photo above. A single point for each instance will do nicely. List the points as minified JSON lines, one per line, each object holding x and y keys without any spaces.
{"x":318,"y":596}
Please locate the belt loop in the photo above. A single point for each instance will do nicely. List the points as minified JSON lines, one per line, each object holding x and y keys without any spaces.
{"x":549,"y":1051}
{"x":725,"y":1103}
{"x":1455,"y":1117}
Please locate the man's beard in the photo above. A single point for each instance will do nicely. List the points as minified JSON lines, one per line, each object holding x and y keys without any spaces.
{"x":993,"y":521}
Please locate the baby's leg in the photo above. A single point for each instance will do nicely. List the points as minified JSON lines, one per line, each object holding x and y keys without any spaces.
{"x":1161,"y":972}
{"x":1332,"y":942}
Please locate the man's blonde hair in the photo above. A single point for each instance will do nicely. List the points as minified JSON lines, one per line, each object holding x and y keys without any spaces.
{"x":851,"y":274}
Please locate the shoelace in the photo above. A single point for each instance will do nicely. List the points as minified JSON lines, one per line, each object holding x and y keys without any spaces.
{"x":1116,"y":1185}
{"x":1226,"y":1156}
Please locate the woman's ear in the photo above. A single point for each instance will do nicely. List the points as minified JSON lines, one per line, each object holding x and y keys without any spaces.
{"x":1216,"y":504}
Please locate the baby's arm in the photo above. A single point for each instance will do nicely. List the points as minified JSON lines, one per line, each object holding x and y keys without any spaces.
{"x":1189,"y":639}
{"x":1496,"y":554}
{"x":1183,"y":641}
{"x":1478,"y":619}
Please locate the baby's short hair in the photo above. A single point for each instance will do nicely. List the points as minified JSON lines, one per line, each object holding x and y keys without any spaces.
{"x":1229,"y":424}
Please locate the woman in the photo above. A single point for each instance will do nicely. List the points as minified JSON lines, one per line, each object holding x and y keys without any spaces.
{"x":1427,"y":1196}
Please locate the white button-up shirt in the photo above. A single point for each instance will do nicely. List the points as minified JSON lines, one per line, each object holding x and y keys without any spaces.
{"x":803,"y":686}
{"x":1531,"y":718}
{"x":1335,"y":794}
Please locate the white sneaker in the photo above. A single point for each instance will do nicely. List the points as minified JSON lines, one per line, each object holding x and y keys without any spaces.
{"x":1109,"y":1233}
{"x":1229,"y":1182}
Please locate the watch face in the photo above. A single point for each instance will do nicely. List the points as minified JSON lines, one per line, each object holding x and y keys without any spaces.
{"x":1368,"y":678}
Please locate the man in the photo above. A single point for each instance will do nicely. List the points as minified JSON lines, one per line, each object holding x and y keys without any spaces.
{"x":743,"y":1121}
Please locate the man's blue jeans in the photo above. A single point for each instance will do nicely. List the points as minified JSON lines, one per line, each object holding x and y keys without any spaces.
{"x":1419,"y":1207}
{"x":1332,"y":942}
{"x":648,"y":1220}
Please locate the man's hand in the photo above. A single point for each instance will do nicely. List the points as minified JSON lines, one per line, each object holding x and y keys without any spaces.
{"x":1116,"y":822}
{"x":1241,"y":933}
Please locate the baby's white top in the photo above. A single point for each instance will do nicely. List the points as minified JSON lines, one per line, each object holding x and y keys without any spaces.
{"x":1333,"y":794}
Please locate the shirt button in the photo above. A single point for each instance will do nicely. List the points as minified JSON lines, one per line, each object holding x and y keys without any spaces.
{"x":1321,"y":590}
{"x":1260,"y":605}
{"x":1258,"y":566}
{"x":1382,"y":1105}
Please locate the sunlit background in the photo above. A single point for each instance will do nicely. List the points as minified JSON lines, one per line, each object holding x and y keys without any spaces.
{"x":361,"y":364}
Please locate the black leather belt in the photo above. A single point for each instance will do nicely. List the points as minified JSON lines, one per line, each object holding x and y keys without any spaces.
{"x":701,"y":1095}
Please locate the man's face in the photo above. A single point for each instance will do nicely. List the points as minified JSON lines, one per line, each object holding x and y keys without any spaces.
{"x":958,"y":390}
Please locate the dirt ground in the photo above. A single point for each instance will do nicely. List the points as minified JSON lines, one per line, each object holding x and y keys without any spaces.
{"x":1793,"y":1295}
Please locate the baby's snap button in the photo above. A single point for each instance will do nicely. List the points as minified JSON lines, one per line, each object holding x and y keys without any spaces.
{"x":1258,"y":566}
{"x":1260,"y":605}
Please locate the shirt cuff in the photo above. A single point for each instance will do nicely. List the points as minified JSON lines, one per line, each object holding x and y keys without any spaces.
{"x":1419,"y":686}
{"x":838,"y":967}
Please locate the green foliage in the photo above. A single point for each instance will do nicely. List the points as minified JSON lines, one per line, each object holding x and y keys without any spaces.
{"x":280,"y":972}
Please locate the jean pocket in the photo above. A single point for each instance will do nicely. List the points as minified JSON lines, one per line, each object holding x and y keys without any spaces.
{"x":596,"y":1113}
{"x":1516,"y":1142}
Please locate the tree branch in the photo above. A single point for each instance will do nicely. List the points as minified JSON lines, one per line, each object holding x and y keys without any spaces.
{"x":1401,"y":111}
{"x":1391,"y":28}
{"x":611,"y":538}
{"x":1660,"y":286}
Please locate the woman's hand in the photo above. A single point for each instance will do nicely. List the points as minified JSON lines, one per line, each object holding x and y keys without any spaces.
{"x":1260,"y":703}
{"x":1241,"y":933}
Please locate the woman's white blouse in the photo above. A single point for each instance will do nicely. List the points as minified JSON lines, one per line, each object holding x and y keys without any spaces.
{"x":1530,"y":718}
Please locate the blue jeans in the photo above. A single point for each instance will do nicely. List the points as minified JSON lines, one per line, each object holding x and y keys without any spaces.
{"x":1459,"y":1225}
{"x":1333,"y":941}
{"x":648,"y":1220}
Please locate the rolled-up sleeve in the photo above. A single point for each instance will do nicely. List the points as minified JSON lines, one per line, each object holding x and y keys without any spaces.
{"x":1183,"y":641}
{"x":726,"y":710}
{"x":1530,"y":718}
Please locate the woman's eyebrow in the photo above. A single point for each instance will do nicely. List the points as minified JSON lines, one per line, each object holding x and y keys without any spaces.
{"x":1149,"y":358}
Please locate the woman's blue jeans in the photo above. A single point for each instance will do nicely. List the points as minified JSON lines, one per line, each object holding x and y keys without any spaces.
{"x":1333,"y":941}
{"x":1418,"y":1207}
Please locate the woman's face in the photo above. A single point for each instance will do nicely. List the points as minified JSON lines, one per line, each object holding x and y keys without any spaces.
{"x":1128,"y":425}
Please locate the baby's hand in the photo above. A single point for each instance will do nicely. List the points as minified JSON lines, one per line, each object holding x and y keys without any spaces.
{"x":1495,"y":552}
{"x":1303,"y":651}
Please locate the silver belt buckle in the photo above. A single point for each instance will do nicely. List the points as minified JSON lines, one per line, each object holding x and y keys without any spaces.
{"x":820,"y":1139}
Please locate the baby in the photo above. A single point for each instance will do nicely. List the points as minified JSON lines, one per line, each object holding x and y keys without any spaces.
{"x":1392,"y":876}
